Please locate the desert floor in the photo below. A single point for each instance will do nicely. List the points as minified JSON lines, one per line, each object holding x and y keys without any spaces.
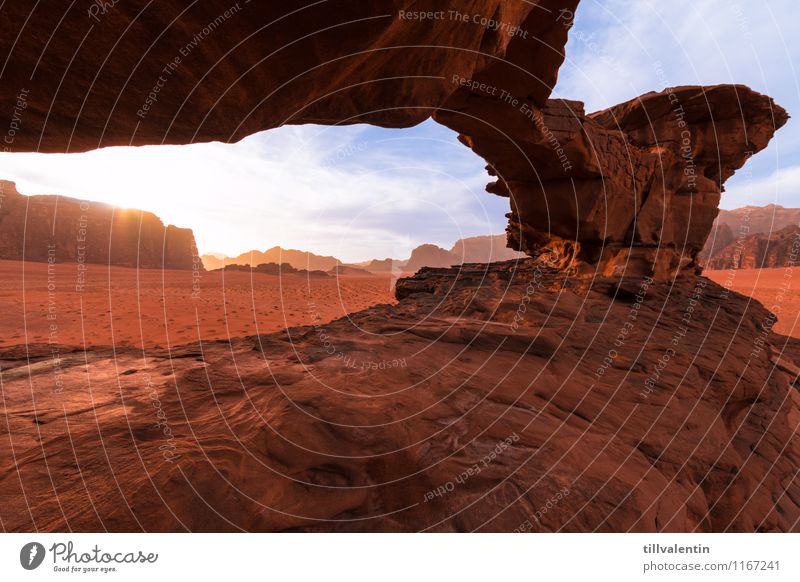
{"x":150,"y":308}
{"x":777,"y":289}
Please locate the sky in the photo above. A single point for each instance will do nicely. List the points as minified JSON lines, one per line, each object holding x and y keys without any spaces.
{"x":361,"y":192}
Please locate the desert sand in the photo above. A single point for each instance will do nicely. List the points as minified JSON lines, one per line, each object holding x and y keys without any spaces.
{"x":158,"y":308}
{"x":776,"y":289}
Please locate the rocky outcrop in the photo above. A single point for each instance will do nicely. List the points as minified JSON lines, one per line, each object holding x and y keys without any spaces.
{"x":429,"y":255}
{"x":476,"y":249}
{"x":221,"y":70}
{"x":59,"y":229}
{"x":483,"y":249}
{"x":275,"y":269}
{"x":297,"y":259}
{"x":633,"y":187}
{"x":492,"y":398}
{"x":383,"y":266}
{"x":349,"y":271}
{"x":760,"y":251}
{"x":733,"y":225}
{"x":608,"y":191}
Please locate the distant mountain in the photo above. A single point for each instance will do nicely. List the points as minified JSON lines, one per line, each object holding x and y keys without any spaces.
{"x":297,"y":259}
{"x":428,"y":255}
{"x":477,"y":249}
{"x":484,"y":249}
{"x":60,"y":229}
{"x":736,"y":225}
{"x":762,"y":250}
{"x":382,"y":265}
{"x":275,"y":269}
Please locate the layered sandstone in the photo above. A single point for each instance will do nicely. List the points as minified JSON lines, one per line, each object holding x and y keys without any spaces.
{"x":491,"y":398}
{"x":633,"y":187}
{"x":59,"y":229}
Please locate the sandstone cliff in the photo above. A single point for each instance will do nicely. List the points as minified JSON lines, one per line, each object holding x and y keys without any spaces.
{"x":739,"y":224}
{"x":60,"y":229}
{"x":429,"y":255}
{"x":768,"y":250}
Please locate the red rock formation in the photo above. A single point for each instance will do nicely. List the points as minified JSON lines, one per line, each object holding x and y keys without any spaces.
{"x":222,"y":70}
{"x":429,"y":255}
{"x":60,"y":229}
{"x":483,"y":249}
{"x":476,"y":249}
{"x":563,"y":426}
{"x":534,"y":380}
{"x":732,"y":225}
{"x":634,"y":186}
{"x":760,"y":251}
{"x":613,"y":185}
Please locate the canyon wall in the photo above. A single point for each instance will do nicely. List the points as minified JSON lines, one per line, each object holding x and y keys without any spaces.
{"x":765,"y":250}
{"x":60,"y":229}
{"x":739,"y":224}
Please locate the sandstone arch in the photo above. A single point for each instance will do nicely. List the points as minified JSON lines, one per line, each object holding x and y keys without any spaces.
{"x":613,"y":182}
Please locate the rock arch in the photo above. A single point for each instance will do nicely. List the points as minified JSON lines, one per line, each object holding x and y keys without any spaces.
{"x":633,"y":187}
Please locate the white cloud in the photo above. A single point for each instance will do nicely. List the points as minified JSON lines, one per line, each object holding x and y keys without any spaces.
{"x":776,"y":188}
{"x":615,"y":46}
{"x":356,"y":192}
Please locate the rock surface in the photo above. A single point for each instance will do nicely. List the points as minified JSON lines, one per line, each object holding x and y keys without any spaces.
{"x":760,"y":251}
{"x":59,"y":229}
{"x":613,"y":189}
{"x":634,"y":187}
{"x":501,"y":398}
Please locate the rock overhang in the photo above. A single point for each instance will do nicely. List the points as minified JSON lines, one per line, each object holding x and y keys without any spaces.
{"x":621,"y":188}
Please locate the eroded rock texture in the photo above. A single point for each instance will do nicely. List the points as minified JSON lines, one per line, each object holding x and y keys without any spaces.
{"x":635,"y":187}
{"x":491,"y":398}
{"x":58,"y":229}
{"x":499,"y":398}
{"x":222,"y":70}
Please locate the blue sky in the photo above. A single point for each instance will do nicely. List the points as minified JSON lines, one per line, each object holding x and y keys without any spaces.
{"x":615,"y":45}
{"x":361,"y":192}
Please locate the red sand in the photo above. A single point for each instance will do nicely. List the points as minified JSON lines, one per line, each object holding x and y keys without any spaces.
{"x":140,"y":307}
{"x":776,"y":289}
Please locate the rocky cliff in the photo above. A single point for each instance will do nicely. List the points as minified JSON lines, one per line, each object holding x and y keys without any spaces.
{"x":767,"y":250}
{"x":740,"y":224}
{"x":476,"y":249}
{"x":483,"y":249}
{"x":60,"y":229}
